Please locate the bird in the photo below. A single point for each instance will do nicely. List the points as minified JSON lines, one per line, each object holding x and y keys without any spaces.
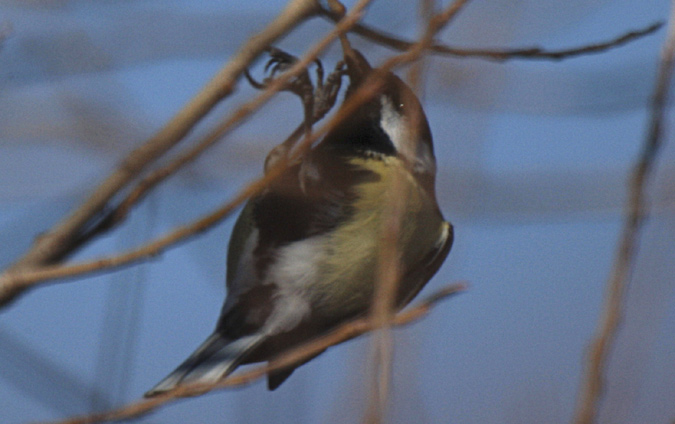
{"x":303,"y":254}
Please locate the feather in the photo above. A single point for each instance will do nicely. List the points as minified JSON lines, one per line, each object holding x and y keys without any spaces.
{"x":213,"y":360}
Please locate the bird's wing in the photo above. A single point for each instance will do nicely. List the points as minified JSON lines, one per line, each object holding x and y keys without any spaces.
{"x":309,"y":199}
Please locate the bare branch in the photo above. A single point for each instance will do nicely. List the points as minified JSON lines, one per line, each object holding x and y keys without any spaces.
{"x":500,"y":55}
{"x":636,"y":213}
{"x":388,"y":267}
{"x":341,"y":334}
{"x":539,"y":53}
{"x":57,"y":242}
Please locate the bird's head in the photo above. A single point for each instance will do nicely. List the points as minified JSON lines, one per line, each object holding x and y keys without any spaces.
{"x":390,"y":123}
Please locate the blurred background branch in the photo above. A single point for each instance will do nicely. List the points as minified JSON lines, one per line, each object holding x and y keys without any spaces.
{"x":499,"y":55}
{"x":636,"y":211}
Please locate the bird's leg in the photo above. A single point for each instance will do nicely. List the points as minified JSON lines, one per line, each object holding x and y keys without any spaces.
{"x":326,"y":92}
{"x":317,"y":101}
{"x":301,"y":85}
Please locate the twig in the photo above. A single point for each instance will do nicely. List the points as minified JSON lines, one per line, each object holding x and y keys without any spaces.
{"x":636,"y":212}
{"x":389,"y":272}
{"x":500,"y":55}
{"x":57,"y":241}
{"x":341,"y":334}
{"x":539,"y":53}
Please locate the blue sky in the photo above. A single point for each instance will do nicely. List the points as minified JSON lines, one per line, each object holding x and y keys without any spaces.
{"x":533,"y":158}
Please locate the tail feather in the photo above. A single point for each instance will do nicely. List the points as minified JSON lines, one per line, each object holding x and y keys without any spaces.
{"x":213,"y":360}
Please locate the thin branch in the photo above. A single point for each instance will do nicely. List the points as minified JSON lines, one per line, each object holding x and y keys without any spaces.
{"x":341,"y":334}
{"x":388,"y":267}
{"x":539,"y":53}
{"x":57,"y":242}
{"x":500,"y":55}
{"x":636,"y":213}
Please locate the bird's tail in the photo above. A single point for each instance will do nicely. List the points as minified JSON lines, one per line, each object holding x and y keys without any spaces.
{"x":216,"y":358}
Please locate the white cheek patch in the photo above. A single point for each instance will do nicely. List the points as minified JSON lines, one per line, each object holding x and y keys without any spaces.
{"x":396,"y":126}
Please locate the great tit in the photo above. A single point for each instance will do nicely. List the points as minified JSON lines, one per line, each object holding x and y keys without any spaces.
{"x":303,"y":255}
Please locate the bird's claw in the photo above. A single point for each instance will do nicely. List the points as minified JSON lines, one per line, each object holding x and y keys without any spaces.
{"x":280,"y":62}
